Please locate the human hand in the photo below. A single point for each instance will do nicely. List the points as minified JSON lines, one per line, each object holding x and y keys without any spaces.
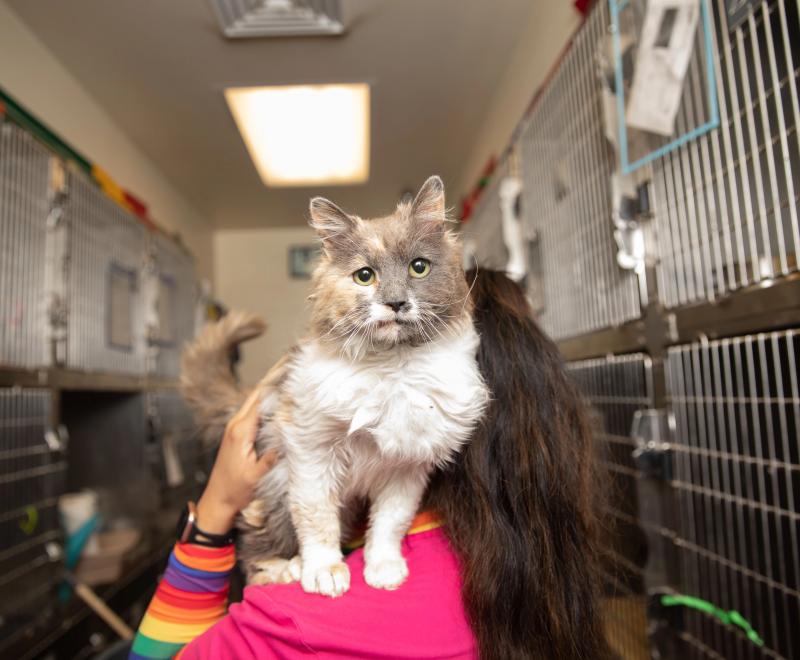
{"x":237,"y":469}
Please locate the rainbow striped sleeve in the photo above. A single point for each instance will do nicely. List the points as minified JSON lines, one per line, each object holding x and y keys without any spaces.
{"x":191,"y":598}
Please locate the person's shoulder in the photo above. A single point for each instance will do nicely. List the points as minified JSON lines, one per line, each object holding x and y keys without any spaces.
{"x":433,"y":571}
{"x":423,"y":617}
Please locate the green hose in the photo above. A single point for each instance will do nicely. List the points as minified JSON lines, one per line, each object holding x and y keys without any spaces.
{"x":728,"y":617}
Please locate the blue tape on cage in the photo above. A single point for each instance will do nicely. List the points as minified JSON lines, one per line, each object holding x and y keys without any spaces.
{"x":616,"y":6}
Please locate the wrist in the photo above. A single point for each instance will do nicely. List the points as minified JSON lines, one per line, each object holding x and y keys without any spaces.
{"x":214,"y":515}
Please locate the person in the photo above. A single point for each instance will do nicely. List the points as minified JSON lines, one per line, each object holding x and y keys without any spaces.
{"x":503,"y":560}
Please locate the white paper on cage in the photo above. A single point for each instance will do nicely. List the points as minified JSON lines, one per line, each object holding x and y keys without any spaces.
{"x":662,"y":58}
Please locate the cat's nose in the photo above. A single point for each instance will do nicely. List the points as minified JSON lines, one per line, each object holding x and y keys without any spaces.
{"x":397,"y":306}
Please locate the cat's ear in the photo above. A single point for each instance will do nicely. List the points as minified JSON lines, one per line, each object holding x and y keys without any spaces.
{"x":329,"y":220}
{"x":428,"y":205}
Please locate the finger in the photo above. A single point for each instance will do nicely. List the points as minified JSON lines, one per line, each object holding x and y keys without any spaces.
{"x":241,"y":435}
{"x":249,"y":407}
{"x":252,"y":401}
{"x":244,"y":433}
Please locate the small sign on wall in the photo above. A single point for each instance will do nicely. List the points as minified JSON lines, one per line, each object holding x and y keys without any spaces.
{"x":302,"y":259}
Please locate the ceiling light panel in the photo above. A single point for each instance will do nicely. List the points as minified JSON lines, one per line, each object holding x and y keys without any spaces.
{"x":278,"y":18}
{"x":302,"y":135}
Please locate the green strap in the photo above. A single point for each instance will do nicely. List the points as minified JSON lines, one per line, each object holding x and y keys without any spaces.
{"x":20,"y":116}
{"x":728,"y":617}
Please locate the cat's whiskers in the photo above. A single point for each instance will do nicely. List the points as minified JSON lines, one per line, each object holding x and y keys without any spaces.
{"x":420,"y":330}
{"x":456,"y":301}
{"x":429,"y":322}
{"x":373,"y":330}
{"x":471,"y":286}
{"x":426,"y":326}
{"x":359,"y":337}
{"x":352,"y":315}
{"x":422,"y":322}
{"x":433,"y":318}
{"x":346,"y":346}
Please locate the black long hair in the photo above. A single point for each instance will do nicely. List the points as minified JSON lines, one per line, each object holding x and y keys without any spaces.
{"x":520,"y":503}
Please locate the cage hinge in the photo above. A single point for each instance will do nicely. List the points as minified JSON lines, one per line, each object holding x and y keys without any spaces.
{"x":651,"y":431}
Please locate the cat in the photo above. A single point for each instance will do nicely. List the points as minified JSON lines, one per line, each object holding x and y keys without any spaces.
{"x":384,"y":389}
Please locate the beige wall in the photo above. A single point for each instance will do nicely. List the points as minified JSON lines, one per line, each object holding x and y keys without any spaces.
{"x":36,"y":79}
{"x":251,"y":270}
{"x":550,"y":25}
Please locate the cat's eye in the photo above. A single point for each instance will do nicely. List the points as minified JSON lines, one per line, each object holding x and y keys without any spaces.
{"x":364,"y":276}
{"x":419,"y":268}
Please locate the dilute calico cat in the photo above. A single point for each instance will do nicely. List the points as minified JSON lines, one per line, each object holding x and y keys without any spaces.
{"x":384,"y":388}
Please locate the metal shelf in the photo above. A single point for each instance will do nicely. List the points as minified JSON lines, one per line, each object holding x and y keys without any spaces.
{"x":769,"y":305}
{"x":627,"y":338}
{"x":69,"y":379}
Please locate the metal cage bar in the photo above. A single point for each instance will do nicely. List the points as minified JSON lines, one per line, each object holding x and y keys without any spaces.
{"x":566,"y":166}
{"x":726,"y":204}
{"x":106,"y":250}
{"x":173,"y":280}
{"x":91,"y":259}
{"x":24,"y":206}
{"x":482,"y":234}
{"x":32,"y":476}
{"x":615,"y":388}
{"x":737,"y":487}
{"x":725,"y":217}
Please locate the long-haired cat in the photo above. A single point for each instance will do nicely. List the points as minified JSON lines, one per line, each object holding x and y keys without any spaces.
{"x":384,"y":389}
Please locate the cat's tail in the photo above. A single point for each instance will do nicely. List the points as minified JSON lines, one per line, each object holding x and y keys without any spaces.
{"x":208,"y":384}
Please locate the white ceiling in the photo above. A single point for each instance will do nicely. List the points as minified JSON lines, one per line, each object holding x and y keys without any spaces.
{"x":159,"y":67}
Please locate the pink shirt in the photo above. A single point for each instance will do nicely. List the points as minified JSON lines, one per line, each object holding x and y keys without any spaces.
{"x":424,"y":618}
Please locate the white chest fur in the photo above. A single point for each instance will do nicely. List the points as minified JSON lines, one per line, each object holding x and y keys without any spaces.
{"x":371,"y":427}
{"x":419,"y":404}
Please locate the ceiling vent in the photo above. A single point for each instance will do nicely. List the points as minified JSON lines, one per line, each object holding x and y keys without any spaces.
{"x":278,"y":18}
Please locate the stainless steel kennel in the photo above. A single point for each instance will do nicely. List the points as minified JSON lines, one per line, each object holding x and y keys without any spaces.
{"x":84,"y":285}
{"x":691,"y":371}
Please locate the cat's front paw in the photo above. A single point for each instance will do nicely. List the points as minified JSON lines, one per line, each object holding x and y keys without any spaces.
{"x":386,"y":573}
{"x":274,"y":571}
{"x":327,"y":579}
